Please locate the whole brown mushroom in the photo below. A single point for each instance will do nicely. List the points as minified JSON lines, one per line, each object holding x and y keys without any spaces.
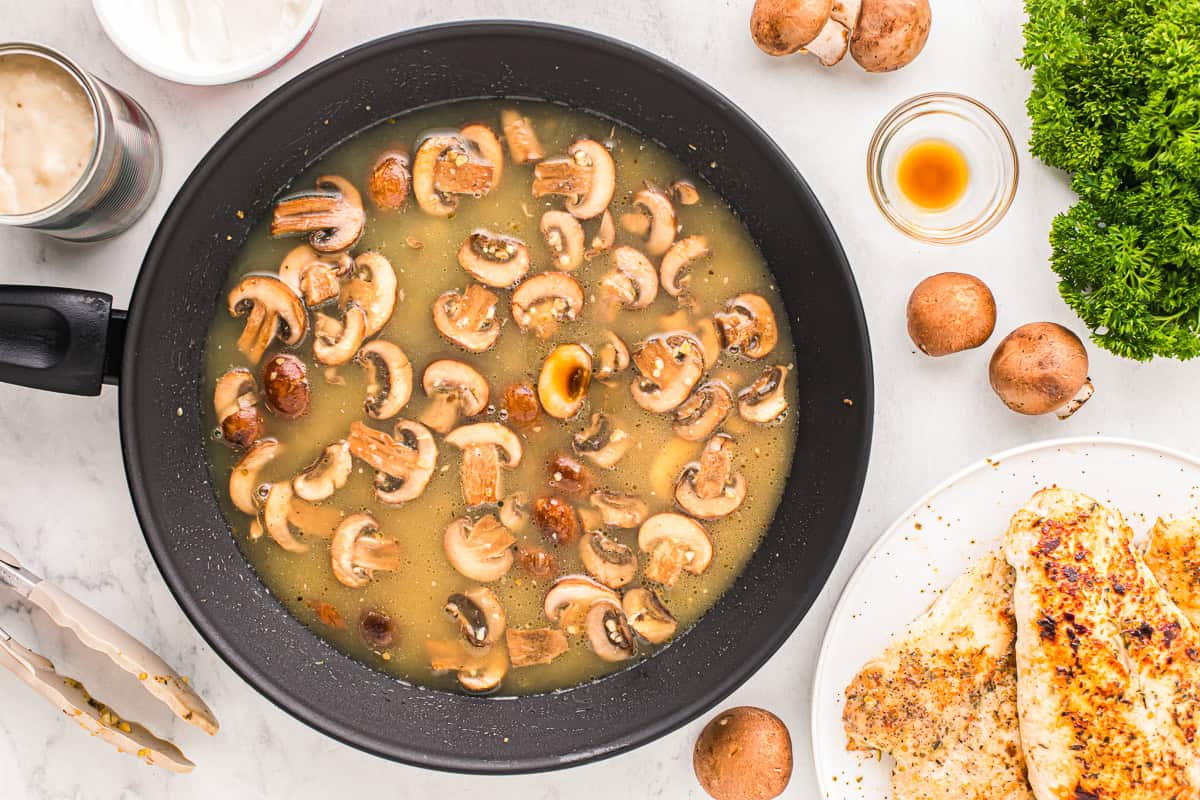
{"x":890,"y":33}
{"x":744,"y":753}
{"x":1040,"y":368}
{"x":782,"y":27}
{"x":949,"y":313}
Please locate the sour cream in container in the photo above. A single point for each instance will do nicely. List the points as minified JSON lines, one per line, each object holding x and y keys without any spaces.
{"x":208,"y":42}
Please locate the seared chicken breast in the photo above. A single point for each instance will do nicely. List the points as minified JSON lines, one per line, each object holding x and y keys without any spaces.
{"x":1108,"y":667}
{"x":1173,"y":555}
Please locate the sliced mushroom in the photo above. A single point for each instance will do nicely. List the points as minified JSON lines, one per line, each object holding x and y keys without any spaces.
{"x":285,"y":385}
{"x":608,"y":633}
{"x":523,"y":144}
{"x":536,"y":646}
{"x":494,"y":259}
{"x":479,"y":669}
{"x":404,"y":464}
{"x":243,"y":480}
{"x":326,"y":475}
{"x":678,"y":260}
{"x":390,"y":180}
{"x":332,"y":216}
{"x":556,"y":518}
{"x":675,"y":543}
{"x":445,"y":167}
{"x":587,"y":177}
{"x":275,"y":511}
{"x":564,"y":379}
{"x":710,"y":341}
{"x":603,"y":442}
{"x":658,"y":223}
{"x":455,"y":390}
{"x":377,"y":630}
{"x":607,"y":560}
{"x":482,"y":445}
{"x":670,"y":366}
{"x":335,"y":342}
{"x":564,"y":237}
{"x":481,"y":551}
{"x":648,"y":616}
{"x":569,"y":476}
{"x":711,"y":489}
{"x":374,"y":289}
{"x":468,"y":319}
{"x":479,"y":615}
{"x":613,"y":357}
{"x":765,"y":400}
{"x":271,"y":309}
{"x":606,"y":236}
{"x":314,"y":277}
{"x":357,"y":552}
{"x":633,"y":283}
{"x":235,"y":400}
{"x":488,"y":145}
{"x":747,"y":326}
{"x":389,"y":378}
{"x":546,"y":300}
{"x":703,"y":412}
{"x":571,"y":597}
{"x":312,"y":519}
{"x":514,"y":511}
{"x":620,"y":510}
{"x":685,"y":192}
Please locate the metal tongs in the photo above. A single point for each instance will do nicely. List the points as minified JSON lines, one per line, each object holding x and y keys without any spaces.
{"x":99,"y":634}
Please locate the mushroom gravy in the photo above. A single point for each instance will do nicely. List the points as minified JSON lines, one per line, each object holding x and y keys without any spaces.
{"x":416,"y":607}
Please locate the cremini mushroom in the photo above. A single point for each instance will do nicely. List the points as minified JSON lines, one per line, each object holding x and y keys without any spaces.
{"x":494,"y":259}
{"x":235,"y":400}
{"x":890,"y":34}
{"x":603,"y":442}
{"x":619,"y":510}
{"x":537,"y":561}
{"x":608,"y":632}
{"x":357,"y":551}
{"x":587,"y":177}
{"x":523,"y":144}
{"x":569,"y":475}
{"x":519,"y":405}
{"x":710,"y":341}
{"x":675,"y":543}
{"x":275,"y":508}
{"x":783,"y":27}
{"x":564,"y":237}
{"x":514,"y":511}
{"x":703,"y":412}
{"x":613,"y":357}
{"x":747,"y":326}
{"x":445,"y":167}
{"x":655,"y":220}
{"x":389,"y":378}
{"x":377,"y":630}
{"x":479,"y":615}
{"x":765,"y":400}
{"x":632,"y":283}
{"x":403,"y":463}
{"x":455,"y":390}
{"x":679,"y":259}
{"x":243,"y":479}
{"x":481,"y":551}
{"x":486,"y":447}
{"x":534,"y":646}
{"x":488,"y":144}
{"x":337,"y":341}
{"x":319,"y":480}
{"x":332,"y":216}
{"x":271,"y":310}
{"x":479,"y":669}
{"x":544,"y":301}
{"x":648,"y":616}
{"x":745,"y":753}
{"x":556,"y":519}
{"x":607,"y":560}
{"x":571,"y":597}
{"x":374,"y":288}
{"x":1041,"y":368}
{"x":564,"y":379}
{"x":314,"y":276}
{"x":685,"y":192}
{"x":285,"y":385}
{"x":831,"y":44}
{"x":710,"y":489}
{"x":468,"y":319}
{"x":950,"y":312}
{"x":605,"y":237}
{"x":390,"y":180}
{"x":669,"y":366}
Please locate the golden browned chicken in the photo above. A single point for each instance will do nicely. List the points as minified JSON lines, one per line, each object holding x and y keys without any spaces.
{"x":1173,"y":555}
{"x":1108,"y":666}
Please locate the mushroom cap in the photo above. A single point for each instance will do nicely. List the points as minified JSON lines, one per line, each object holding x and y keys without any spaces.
{"x":677,"y":261}
{"x":593,"y":203}
{"x":748,"y":325}
{"x":744,"y":754}
{"x":783,"y":27}
{"x":469,"y":387}
{"x":275,"y":510}
{"x":607,"y":560}
{"x":669,"y":366}
{"x":703,"y":412}
{"x":390,"y":179}
{"x":356,"y":552}
{"x":564,"y":379}
{"x":613,"y":356}
{"x":619,"y":510}
{"x":243,"y":479}
{"x":640,"y":276}
{"x":523,"y":144}
{"x":484,"y":139}
{"x":710,"y":489}
{"x":480,"y":551}
{"x":377,"y":294}
{"x":576,"y":590}
{"x":485,"y":672}
{"x":337,"y":342}
{"x":273,"y":296}
{"x":468,"y":319}
{"x":648,"y":616}
{"x":488,"y":433}
{"x":661,"y":233}
{"x":1039,"y":368}
{"x":494,"y":259}
{"x":479,"y":615}
{"x":326,"y":475}
{"x":564,"y":237}
{"x":285,"y":385}
{"x":603,"y":442}
{"x":608,"y":632}
{"x":950,"y":312}
{"x":681,"y":533}
{"x":890,"y":33}
{"x":332,"y":216}
{"x":430,"y":151}
{"x":765,"y":400}
{"x":390,"y":381}
{"x":544,"y":300}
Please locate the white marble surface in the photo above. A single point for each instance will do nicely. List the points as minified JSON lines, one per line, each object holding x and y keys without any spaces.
{"x":68,"y":513}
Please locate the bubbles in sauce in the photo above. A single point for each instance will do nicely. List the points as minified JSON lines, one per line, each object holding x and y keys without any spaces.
{"x":423,"y":249}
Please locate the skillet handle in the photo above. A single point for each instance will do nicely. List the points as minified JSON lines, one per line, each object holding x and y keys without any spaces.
{"x":61,"y":340}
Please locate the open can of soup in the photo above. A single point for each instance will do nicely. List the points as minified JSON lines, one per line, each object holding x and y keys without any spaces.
{"x":60,"y":172}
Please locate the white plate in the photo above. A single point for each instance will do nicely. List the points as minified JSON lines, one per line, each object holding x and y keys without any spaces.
{"x":948,"y":529}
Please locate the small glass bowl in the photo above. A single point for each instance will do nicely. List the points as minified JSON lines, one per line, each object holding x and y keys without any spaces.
{"x":978,"y":134}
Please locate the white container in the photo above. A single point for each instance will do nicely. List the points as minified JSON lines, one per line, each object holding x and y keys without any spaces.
{"x":208,"y":42}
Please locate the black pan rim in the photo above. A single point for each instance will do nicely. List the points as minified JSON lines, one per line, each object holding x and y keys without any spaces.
{"x":144,"y":505}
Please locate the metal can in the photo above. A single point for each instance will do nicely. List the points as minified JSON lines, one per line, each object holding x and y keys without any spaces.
{"x":122,"y":176}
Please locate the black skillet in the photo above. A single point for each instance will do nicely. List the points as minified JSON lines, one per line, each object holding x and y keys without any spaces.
{"x":72,"y":341}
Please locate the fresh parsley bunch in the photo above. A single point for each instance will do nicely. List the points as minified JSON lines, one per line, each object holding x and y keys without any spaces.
{"x":1116,"y":102}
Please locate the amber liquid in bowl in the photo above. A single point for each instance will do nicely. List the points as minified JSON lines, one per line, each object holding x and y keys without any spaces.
{"x":933,"y":174}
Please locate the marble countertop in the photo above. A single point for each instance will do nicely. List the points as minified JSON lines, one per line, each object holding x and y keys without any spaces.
{"x":68,"y":512}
